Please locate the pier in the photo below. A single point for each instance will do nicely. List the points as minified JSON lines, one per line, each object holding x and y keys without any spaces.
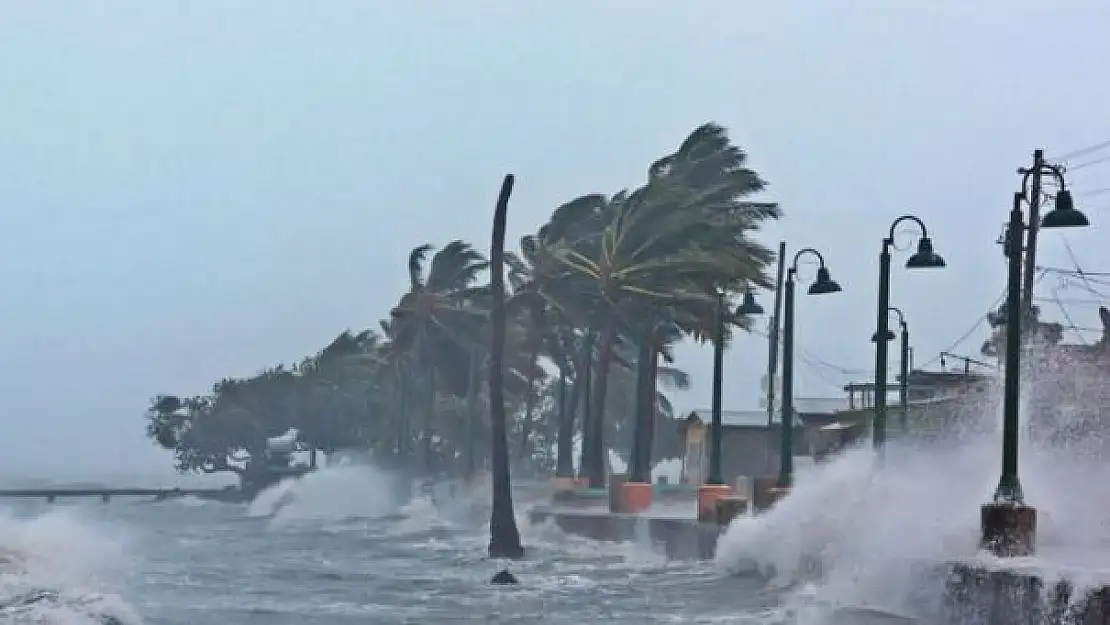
{"x":106,"y":494}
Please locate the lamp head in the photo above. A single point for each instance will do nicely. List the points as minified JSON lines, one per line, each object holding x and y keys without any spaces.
{"x":889,"y":336}
{"x":749,"y":306}
{"x":925,"y":257}
{"x":824,"y":283}
{"x":1064,"y":215}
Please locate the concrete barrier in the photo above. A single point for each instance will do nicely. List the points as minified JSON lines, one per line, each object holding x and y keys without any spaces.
{"x":616,"y":486}
{"x":708,"y":494}
{"x":728,"y":508}
{"x":679,"y":539}
{"x":765,"y":492}
{"x":977,"y":595}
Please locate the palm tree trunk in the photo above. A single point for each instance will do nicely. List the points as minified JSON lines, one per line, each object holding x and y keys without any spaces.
{"x":587,"y":382}
{"x":402,"y":389}
{"x":472,"y":414}
{"x":564,"y":458}
{"x":430,"y":419}
{"x":652,"y":394}
{"x":639,"y":462}
{"x":504,"y":537}
{"x":597,"y":423}
{"x":526,"y":424}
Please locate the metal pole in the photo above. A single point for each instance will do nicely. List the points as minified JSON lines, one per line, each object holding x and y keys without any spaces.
{"x":718,"y":369}
{"x":786,"y":450}
{"x":773,"y":337}
{"x":1031,"y":236}
{"x":904,"y":387}
{"x":472,"y":415}
{"x":882,"y":329}
{"x":773,"y":354}
{"x":1009,"y":486}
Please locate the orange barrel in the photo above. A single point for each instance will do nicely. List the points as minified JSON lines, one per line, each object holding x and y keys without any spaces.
{"x":635,"y":496}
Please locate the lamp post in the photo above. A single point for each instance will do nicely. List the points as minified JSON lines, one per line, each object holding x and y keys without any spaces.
{"x":748,"y":307}
{"x":903,"y":386}
{"x":824,"y":284}
{"x":904,"y":383}
{"x":1031,"y":193}
{"x":715,"y":487}
{"x":1008,"y":524}
{"x":924,"y":258}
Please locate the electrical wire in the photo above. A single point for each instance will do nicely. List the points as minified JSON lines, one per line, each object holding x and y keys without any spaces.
{"x":1083,"y":151}
{"x":1072,"y":272}
{"x":813,"y":360}
{"x":978,"y":322}
{"x":1084,"y":164}
{"x":966,"y":335}
{"x":1069,"y":301}
{"x":1075,"y":262}
{"x":1067,"y":317}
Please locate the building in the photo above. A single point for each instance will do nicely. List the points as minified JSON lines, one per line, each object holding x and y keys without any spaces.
{"x":750,"y":443}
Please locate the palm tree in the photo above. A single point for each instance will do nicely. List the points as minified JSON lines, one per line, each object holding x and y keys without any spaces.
{"x":436,"y":321}
{"x":670,"y":243}
{"x":504,"y":541}
{"x":337,"y":386}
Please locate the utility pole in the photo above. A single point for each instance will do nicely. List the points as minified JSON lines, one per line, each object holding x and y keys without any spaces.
{"x":1030,"y":268}
{"x":773,"y":337}
{"x":773,"y":351}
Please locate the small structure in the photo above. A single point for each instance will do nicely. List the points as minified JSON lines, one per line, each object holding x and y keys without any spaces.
{"x":749,"y":444}
{"x":275,"y":465}
{"x":922,"y":386}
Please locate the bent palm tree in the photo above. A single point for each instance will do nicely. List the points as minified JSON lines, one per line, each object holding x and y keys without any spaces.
{"x":504,"y":539}
{"x":670,"y":243}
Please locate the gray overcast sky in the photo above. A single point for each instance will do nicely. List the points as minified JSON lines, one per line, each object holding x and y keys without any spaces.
{"x":192,"y":190}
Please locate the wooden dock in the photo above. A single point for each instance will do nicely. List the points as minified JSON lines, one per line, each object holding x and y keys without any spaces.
{"x":105,"y":494}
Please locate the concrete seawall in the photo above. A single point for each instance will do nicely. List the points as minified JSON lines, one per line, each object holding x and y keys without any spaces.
{"x":679,"y":538}
{"x":950,"y":593}
{"x":977,"y":595}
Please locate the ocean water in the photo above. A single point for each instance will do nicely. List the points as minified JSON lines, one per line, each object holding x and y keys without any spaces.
{"x":857,"y":542}
{"x":340,"y":546}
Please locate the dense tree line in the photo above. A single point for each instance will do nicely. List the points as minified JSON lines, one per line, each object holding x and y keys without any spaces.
{"x":594,"y":302}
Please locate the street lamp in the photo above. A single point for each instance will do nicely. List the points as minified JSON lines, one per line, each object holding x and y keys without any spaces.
{"x":1063,"y":215}
{"x":923,"y":258}
{"x":903,"y":386}
{"x":1008,"y":525}
{"x":747,"y":307}
{"x":823,"y":285}
{"x":714,"y":487}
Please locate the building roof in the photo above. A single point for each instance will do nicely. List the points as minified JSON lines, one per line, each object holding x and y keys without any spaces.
{"x":743,"y":418}
{"x":805,"y":408}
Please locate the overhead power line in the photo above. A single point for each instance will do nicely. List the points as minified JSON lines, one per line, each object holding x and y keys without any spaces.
{"x":1083,"y":151}
{"x":1084,"y":164}
{"x":1072,"y":272}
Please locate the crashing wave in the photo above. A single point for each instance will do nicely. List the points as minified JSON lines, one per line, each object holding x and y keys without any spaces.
{"x":47,"y":565}
{"x":45,"y":606}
